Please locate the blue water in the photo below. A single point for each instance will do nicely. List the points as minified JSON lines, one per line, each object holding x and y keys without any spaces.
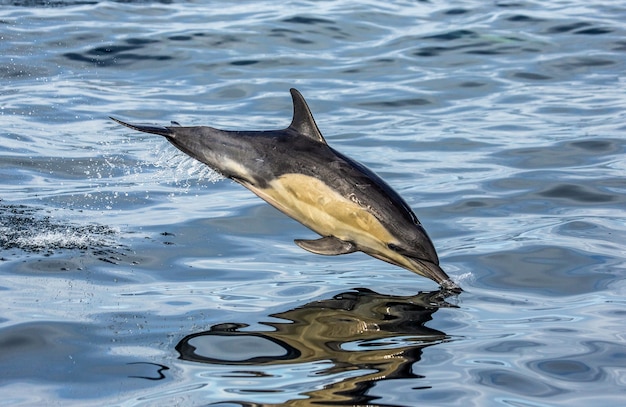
{"x":133,"y":276}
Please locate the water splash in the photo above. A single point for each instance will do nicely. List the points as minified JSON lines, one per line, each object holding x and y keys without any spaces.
{"x":182,"y":169}
{"x":31,"y":229}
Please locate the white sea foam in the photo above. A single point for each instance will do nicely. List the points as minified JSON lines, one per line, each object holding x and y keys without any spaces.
{"x":26,"y":228}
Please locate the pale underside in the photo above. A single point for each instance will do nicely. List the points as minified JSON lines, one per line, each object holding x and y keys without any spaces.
{"x":317,"y":206}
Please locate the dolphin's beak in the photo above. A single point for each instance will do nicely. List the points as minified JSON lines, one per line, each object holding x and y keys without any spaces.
{"x":435,"y":273}
{"x":422,"y":267}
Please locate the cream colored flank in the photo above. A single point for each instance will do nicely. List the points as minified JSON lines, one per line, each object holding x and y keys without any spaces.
{"x":312,"y":203}
{"x":229,"y":166}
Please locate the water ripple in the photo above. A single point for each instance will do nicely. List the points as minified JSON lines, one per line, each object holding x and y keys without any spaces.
{"x":501,"y":124}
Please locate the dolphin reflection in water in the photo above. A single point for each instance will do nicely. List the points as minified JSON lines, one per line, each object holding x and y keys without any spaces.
{"x":297,"y":172}
{"x":357,"y":341}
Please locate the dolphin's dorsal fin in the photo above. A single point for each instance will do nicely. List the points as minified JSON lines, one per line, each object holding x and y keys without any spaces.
{"x":303,"y":121}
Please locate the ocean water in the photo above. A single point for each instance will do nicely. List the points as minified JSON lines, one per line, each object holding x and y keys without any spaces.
{"x":131,"y":275}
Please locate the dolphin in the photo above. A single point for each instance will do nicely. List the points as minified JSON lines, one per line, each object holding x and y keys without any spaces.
{"x":297,"y":172}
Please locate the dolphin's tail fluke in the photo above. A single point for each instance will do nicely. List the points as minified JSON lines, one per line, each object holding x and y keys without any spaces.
{"x":161,"y":131}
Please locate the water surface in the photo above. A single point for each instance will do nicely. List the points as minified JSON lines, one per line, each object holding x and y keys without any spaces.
{"x":131,"y":275}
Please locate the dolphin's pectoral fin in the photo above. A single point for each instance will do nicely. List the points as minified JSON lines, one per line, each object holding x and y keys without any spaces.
{"x":328,"y":246}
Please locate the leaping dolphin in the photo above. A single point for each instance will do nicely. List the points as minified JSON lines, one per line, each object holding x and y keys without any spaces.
{"x":298,"y":173}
